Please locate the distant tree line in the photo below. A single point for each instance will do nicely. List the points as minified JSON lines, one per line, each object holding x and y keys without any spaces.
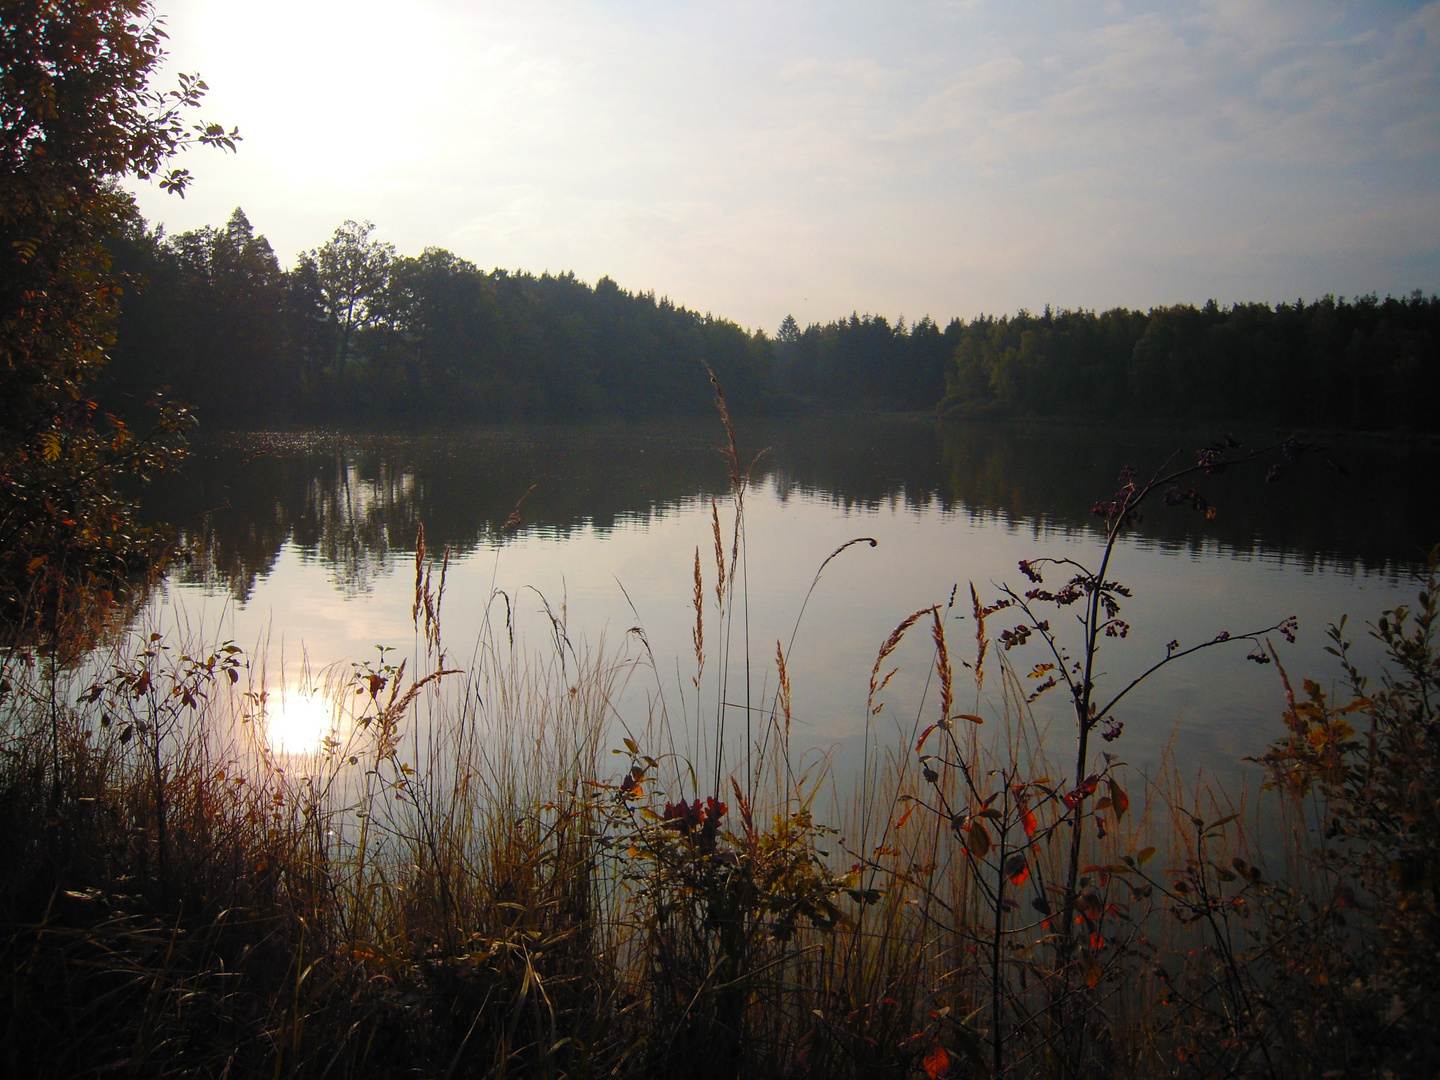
{"x":864,"y":360}
{"x":1366,"y":364}
{"x":356,"y":332}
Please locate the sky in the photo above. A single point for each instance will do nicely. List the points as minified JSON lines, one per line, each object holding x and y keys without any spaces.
{"x":949,"y":157}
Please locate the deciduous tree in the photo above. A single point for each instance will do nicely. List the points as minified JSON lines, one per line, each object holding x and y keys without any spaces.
{"x":77,"y":115}
{"x":354,"y":271}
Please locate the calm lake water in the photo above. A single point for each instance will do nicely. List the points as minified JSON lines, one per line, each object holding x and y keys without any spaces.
{"x":307,"y":541}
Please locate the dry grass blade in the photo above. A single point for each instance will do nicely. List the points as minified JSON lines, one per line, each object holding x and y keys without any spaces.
{"x":719,"y":554}
{"x":942,"y":665}
{"x":731,"y":450}
{"x":784,"y":680}
{"x":890,"y":645}
{"x":419,"y":572}
{"x":513,"y":519}
{"x":982,"y":643}
{"x":697,"y":635}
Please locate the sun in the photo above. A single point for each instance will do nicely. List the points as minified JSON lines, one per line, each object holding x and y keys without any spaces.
{"x":299,"y":721}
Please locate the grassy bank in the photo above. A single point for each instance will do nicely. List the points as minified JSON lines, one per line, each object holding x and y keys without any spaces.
{"x":489,"y":869}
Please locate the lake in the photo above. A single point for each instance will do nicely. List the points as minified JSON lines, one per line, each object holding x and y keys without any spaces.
{"x":304,"y":545}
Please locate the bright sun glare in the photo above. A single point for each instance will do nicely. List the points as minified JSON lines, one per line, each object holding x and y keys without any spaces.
{"x":298,"y":722}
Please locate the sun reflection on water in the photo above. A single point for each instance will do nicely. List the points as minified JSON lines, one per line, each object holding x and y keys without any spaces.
{"x":298,"y":722}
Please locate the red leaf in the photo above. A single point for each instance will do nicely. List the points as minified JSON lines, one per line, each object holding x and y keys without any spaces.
{"x":923,"y":736}
{"x":1073,"y":798}
{"x":1017,"y":870}
{"x":1030,"y":823}
{"x":937,"y":1062}
{"x":1120,"y":800}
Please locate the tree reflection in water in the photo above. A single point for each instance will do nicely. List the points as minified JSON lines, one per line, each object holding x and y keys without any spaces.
{"x":352,"y":502}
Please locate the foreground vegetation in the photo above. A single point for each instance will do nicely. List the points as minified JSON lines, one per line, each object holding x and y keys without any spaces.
{"x":460,"y":882}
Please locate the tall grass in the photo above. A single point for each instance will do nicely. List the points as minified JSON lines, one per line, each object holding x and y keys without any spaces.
{"x":501,"y":870}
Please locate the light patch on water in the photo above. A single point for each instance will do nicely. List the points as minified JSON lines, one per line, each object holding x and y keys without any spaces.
{"x":298,"y":722}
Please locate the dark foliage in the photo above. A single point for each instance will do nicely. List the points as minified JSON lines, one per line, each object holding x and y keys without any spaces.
{"x":1367,"y":364}
{"x":355,"y":333}
{"x":77,"y":114}
{"x":431,"y":338}
{"x":865,"y":359}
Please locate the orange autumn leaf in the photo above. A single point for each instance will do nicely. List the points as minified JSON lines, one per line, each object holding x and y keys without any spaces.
{"x":1017,"y":870}
{"x":906,"y":815}
{"x":1030,"y":823}
{"x":936,"y":1062}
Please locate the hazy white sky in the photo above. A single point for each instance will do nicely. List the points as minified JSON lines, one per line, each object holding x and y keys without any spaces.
{"x":752,"y":159}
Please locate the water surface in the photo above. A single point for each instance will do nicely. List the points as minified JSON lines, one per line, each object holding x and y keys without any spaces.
{"x":310,"y":538}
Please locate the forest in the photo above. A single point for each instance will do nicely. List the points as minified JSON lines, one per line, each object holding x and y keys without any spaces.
{"x":356,"y":332}
{"x":1367,"y":364}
